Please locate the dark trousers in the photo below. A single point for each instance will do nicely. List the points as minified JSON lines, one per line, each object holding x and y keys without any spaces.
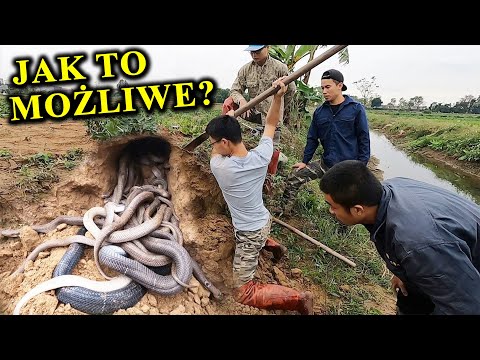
{"x":415,"y":303}
{"x":314,"y":170}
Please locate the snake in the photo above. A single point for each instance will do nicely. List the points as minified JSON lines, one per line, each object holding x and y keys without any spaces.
{"x":107,"y":230}
{"x":154,"y":243}
{"x":118,"y":285}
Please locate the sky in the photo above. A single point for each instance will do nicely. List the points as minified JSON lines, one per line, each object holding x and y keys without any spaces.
{"x":438,"y":73}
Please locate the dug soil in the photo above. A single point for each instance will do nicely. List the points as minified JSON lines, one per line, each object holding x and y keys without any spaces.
{"x":197,"y":200}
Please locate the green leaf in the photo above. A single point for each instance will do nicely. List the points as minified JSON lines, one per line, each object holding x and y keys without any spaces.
{"x":304,"y":50}
{"x":344,"y":57}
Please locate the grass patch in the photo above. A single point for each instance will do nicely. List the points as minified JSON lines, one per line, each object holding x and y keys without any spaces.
{"x":37,"y":174}
{"x":454,"y":135}
{"x":139,"y":122}
{"x":4,"y":106}
{"x":188,"y":122}
{"x":39,"y":171}
{"x":5,"y":154}
{"x":71,"y":159}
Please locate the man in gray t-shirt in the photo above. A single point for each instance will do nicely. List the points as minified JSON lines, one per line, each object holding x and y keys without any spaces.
{"x":241,"y":180}
{"x":240,"y":174}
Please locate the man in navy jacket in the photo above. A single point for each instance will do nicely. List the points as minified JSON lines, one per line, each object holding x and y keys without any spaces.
{"x":340,"y":124}
{"x":428,"y":237}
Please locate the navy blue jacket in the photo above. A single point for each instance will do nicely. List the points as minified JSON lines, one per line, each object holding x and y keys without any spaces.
{"x":430,"y":238}
{"x":344,"y":136}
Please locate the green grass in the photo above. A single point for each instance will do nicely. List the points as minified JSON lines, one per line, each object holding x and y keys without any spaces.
{"x":104,"y":128}
{"x":189,"y":122}
{"x":4,"y":105}
{"x":39,"y":171}
{"x":37,"y":174}
{"x":453,"y":135}
{"x":71,"y":158}
{"x":4,"y":153}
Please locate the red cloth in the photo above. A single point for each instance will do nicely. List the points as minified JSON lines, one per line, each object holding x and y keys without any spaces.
{"x":272,"y":167}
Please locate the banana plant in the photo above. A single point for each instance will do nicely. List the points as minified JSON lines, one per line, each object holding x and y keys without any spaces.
{"x":290,"y":55}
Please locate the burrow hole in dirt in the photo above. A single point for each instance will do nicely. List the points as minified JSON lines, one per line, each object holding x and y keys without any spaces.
{"x":196,"y":199}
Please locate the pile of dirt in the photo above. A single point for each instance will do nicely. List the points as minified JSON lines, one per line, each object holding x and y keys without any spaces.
{"x":197,"y":200}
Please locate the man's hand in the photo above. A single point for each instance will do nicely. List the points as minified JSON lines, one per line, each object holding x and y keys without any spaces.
{"x":398,"y":284}
{"x":299,"y":166}
{"x":283,"y":88}
{"x":246,"y":114}
{"x":231,"y":113}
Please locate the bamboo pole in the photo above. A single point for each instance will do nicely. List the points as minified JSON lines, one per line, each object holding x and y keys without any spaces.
{"x":270,"y":91}
{"x":318,"y":243}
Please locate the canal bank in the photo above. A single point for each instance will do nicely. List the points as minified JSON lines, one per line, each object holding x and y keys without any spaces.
{"x":428,"y":166}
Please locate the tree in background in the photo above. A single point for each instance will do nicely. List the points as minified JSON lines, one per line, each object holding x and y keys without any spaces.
{"x":367,"y":89}
{"x":469,"y":101}
{"x":416,"y":102}
{"x":376,"y":102}
{"x":220,"y":95}
{"x":290,"y":55}
{"x":392,"y":103}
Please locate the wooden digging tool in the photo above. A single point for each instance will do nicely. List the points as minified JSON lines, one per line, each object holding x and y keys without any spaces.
{"x":269,"y":92}
{"x":324,"y":247}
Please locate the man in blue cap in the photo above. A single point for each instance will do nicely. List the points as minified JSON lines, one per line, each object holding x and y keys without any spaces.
{"x":255,"y":77}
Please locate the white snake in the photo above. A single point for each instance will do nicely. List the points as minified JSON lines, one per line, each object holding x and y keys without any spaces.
{"x":136,"y":227}
{"x":116,"y":283}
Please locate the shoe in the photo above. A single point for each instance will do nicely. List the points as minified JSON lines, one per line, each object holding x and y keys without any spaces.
{"x":274,"y":297}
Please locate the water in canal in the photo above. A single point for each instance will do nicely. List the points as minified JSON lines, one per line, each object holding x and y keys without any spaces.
{"x":394,"y":162}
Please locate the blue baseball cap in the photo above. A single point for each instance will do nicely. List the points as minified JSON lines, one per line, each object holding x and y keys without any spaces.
{"x":254,"y":47}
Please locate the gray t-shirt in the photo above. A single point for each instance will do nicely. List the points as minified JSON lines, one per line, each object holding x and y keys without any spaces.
{"x":241,"y":181}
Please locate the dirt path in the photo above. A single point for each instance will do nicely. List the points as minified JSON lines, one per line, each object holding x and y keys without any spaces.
{"x":208,"y":234}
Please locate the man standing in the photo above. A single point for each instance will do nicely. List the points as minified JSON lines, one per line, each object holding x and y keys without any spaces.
{"x":255,"y":77}
{"x":340,"y":125}
{"x":240,"y":174}
{"x":428,"y":237}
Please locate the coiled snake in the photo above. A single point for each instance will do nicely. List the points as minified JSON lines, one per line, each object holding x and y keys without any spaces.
{"x":145,"y":228}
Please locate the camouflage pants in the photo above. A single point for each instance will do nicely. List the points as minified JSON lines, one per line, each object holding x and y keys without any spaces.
{"x":276,"y":138}
{"x":314,"y":170}
{"x":247,"y":251}
{"x":276,"y":135}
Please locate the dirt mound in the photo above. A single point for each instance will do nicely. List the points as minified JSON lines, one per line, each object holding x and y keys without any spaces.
{"x":197,"y":200}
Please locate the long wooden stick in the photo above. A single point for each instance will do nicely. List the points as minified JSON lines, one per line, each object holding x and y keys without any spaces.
{"x":270,"y":91}
{"x":324,"y":247}
{"x":294,"y":76}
